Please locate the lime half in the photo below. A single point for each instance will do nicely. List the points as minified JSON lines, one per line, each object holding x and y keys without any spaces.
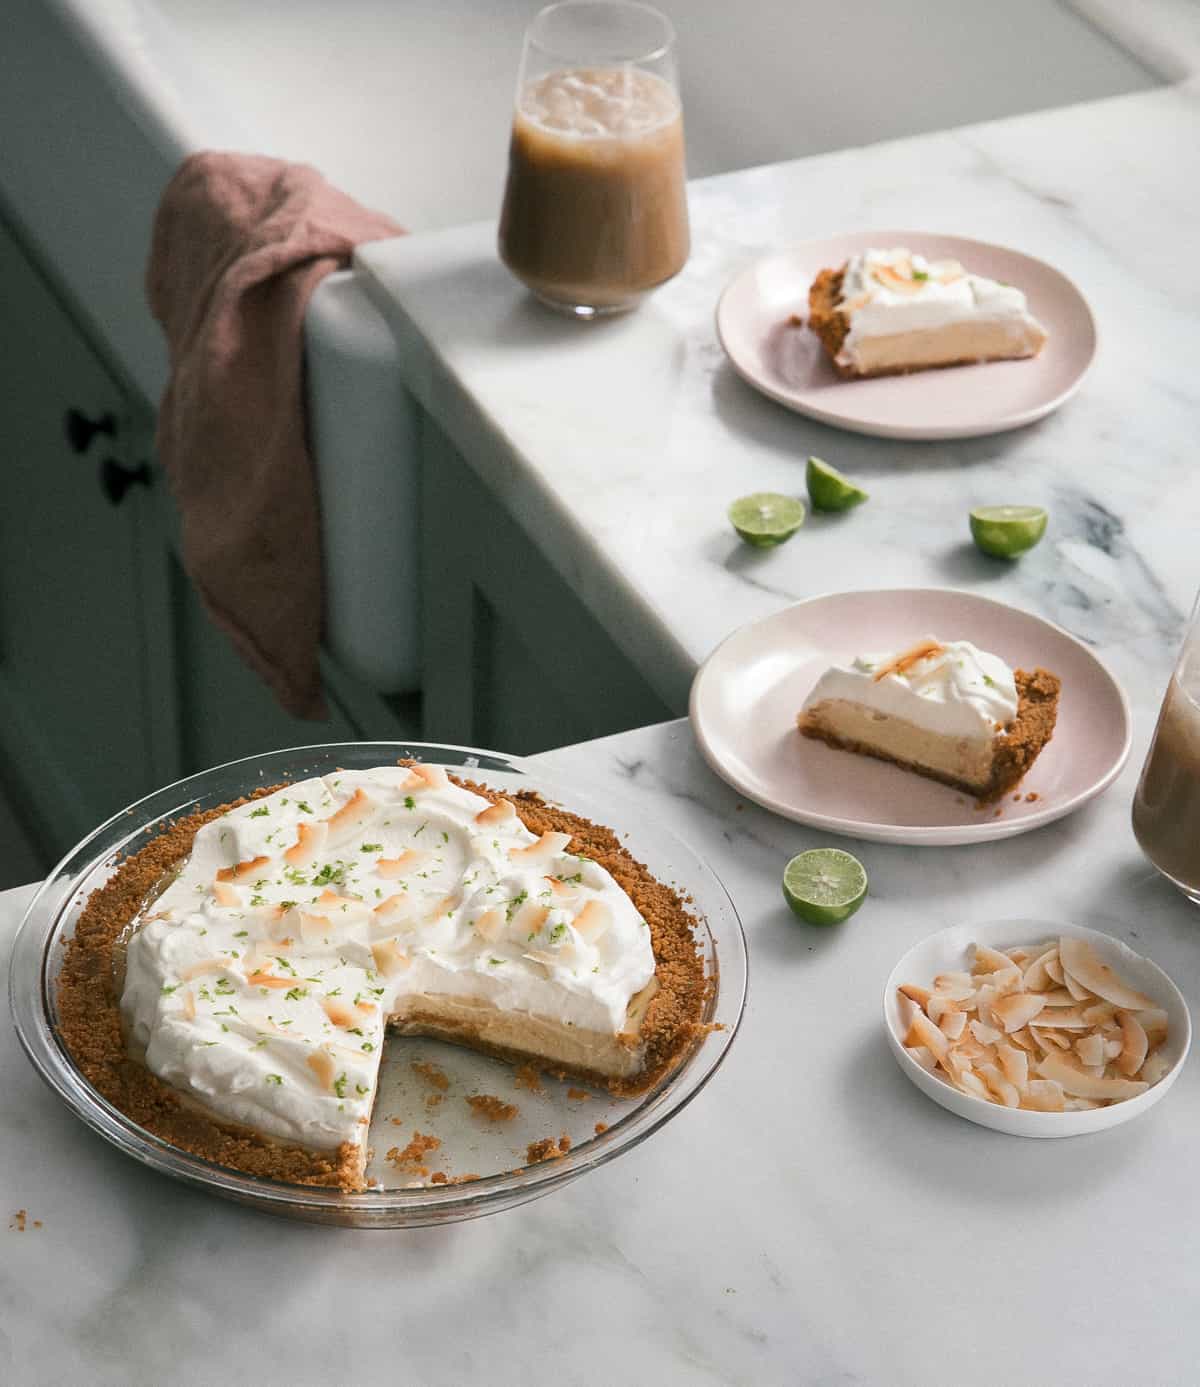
{"x":766,"y":518}
{"x":1006,"y":531}
{"x":829,"y":490}
{"x":824,"y":885}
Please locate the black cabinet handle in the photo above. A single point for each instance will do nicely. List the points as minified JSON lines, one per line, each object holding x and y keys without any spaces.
{"x":80,"y":430}
{"x":116,"y":480}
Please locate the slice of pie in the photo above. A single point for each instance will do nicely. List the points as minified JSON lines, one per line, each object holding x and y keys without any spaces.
{"x":231,"y":987}
{"x":944,"y":709}
{"x":887,"y":312}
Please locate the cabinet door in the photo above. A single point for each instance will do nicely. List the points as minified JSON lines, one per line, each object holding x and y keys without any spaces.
{"x":72,"y":688}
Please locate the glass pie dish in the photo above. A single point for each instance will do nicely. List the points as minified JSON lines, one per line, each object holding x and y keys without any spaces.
{"x":600,"y":1126}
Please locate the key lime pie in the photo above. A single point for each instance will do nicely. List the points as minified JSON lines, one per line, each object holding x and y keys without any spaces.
{"x":241,"y":1012}
{"x":887,"y":312}
{"x":944,"y":709}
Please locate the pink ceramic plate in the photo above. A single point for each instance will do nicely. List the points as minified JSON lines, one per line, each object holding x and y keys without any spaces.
{"x":788,"y":363}
{"x":747,"y":694}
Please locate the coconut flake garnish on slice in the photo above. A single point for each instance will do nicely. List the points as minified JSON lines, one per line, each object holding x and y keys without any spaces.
{"x":1045,"y":1027}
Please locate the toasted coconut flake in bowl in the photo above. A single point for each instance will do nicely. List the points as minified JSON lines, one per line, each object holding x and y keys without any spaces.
{"x":1002,"y":1040}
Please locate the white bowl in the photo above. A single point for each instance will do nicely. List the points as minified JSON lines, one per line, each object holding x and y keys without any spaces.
{"x":951,"y":949}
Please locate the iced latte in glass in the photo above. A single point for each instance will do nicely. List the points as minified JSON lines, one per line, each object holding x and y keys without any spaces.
{"x":1166,"y":805}
{"x":595,"y":208}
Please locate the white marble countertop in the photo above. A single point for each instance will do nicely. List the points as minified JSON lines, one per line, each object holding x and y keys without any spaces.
{"x":619,"y":444}
{"x":810,"y":1219}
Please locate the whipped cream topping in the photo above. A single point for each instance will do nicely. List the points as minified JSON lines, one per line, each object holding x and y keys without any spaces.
{"x":260,"y":981}
{"x":956,"y":689}
{"x":885,"y":292}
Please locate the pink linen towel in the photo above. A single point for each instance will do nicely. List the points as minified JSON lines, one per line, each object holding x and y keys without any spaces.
{"x":240,"y":242}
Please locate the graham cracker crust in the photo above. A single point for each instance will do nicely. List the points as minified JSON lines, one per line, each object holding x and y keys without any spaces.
{"x":1037,"y":711}
{"x":90,"y":1017}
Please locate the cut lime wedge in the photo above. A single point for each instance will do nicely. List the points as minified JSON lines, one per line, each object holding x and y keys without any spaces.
{"x":766,"y":518}
{"x":1006,"y":531}
{"x":824,"y":885}
{"x":829,"y":490}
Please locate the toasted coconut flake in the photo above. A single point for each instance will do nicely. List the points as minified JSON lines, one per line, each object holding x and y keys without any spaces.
{"x":920,"y":995}
{"x":395,"y":909}
{"x":1014,"y":1064}
{"x":244,"y":871}
{"x":1134,"y":1044}
{"x":490,"y":925}
{"x":389,"y":958}
{"x":392,"y":867}
{"x":1058,"y":997}
{"x":427,"y":778}
{"x":953,"y":981}
{"x":1054,"y":969}
{"x":1079,"y":1084}
{"x":314,"y":927}
{"x":970,"y":1082}
{"x":338,"y":1012}
{"x":206,"y":965}
{"x":1024,"y":1040}
{"x":502,"y":812}
{"x":999,"y":1085}
{"x":924,"y":1032}
{"x":225,"y":894}
{"x":990,"y":960}
{"x":1062,"y":1019}
{"x":985,"y":1034}
{"x":952,"y":1024}
{"x":548,"y":846}
{"x":1156,"y":1067}
{"x":263,"y":979}
{"x":1037,"y":979}
{"x":1017,"y":1010}
{"x":1048,"y":1040}
{"x":560,"y":890}
{"x":1043,"y":1095}
{"x":1090,"y":1049}
{"x":923,"y":1056}
{"x":357,"y":809}
{"x":322,"y":1064}
{"x":1082,"y":964}
{"x":1075,"y":989}
{"x":189,"y":1005}
{"x":530,"y":919}
{"x":1100,"y":1014}
{"x":938,"y":1005}
{"x":593,"y":921}
{"x":1154,"y":1022}
{"x":310,"y":839}
{"x":1006,"y":981}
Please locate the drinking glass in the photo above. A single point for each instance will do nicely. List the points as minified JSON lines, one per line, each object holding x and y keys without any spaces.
{"x":595,"y":207}
{"x":1166,"y":804}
